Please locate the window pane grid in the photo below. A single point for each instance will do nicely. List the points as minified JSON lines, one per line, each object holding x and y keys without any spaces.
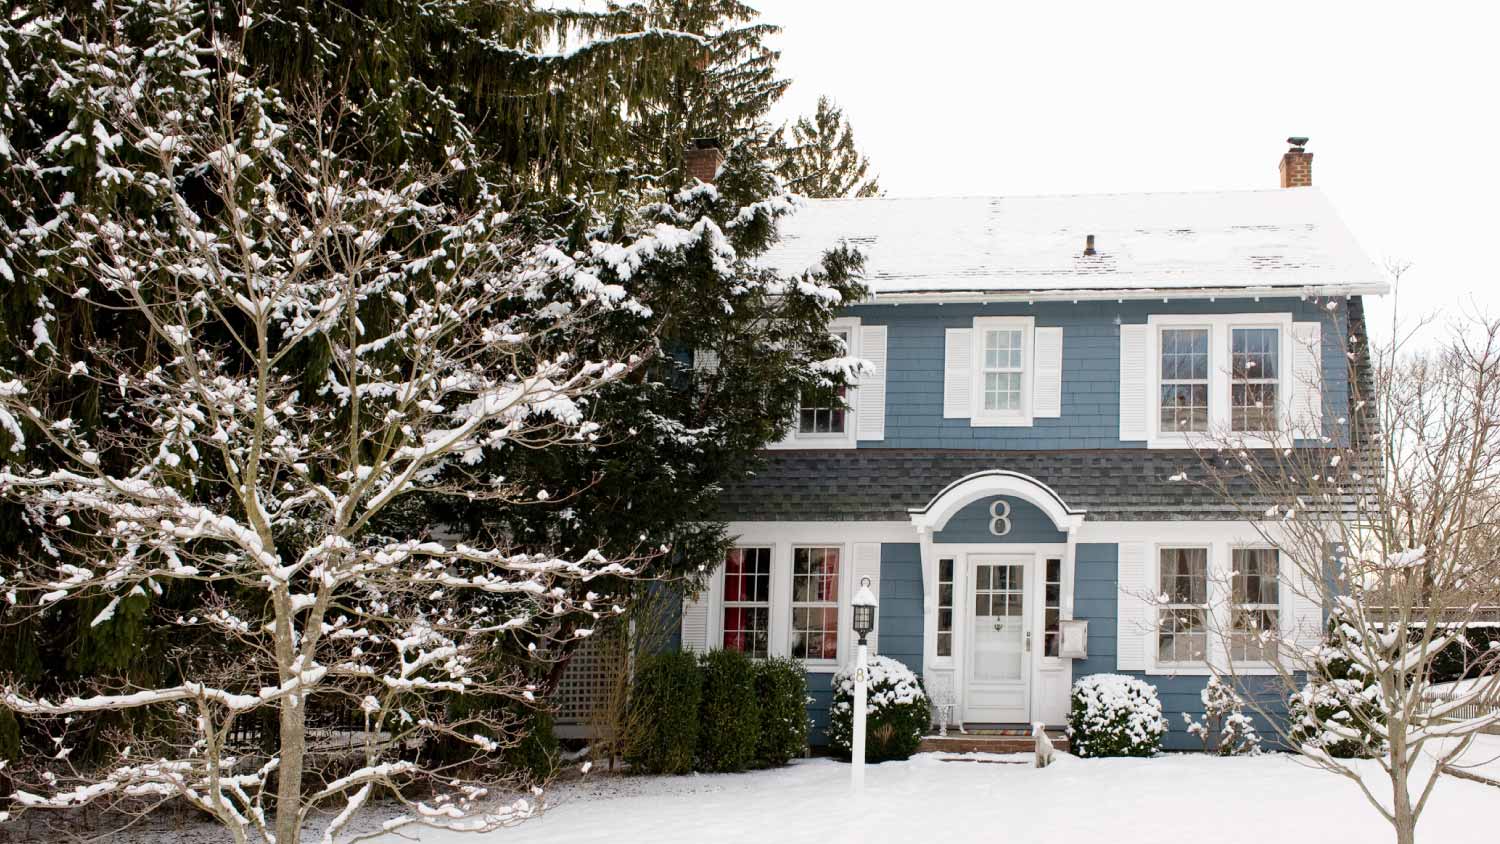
{"x":1182,"y":619}
{"x":819,"y":415}
{"x":1052,"y":609}
{"x":1184,"y":379}
{"x":815,"y":609}
{"x":945,"y":608}
{"x":747,"y":601}
{"x":1254,"y":378}
{"x":1256,"y":602}
{"x":1004,"y":361}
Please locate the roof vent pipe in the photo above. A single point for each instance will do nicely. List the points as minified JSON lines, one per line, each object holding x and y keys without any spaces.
{"x":1088,"y":248}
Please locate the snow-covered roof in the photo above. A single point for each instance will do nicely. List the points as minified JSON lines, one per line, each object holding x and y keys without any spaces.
{"x":1286,"y":238}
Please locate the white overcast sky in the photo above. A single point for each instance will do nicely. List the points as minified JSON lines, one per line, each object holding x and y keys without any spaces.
{"x":954,"y":98}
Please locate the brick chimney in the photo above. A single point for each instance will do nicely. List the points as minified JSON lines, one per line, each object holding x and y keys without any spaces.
{"x":702,"y":159}
{"x":1296,"y":165}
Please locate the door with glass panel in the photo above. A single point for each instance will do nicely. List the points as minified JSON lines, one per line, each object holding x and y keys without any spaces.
{"x":1000,"y":639}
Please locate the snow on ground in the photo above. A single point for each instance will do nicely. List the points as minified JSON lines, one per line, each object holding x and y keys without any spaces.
{"x":1120,"y":801}
{"x":1482,"y":758}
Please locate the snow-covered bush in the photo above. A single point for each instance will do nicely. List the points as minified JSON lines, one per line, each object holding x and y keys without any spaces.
{"x":896,"y":711}
{"x":1338,"y":710}
{"x":781,"y":690}
{"x":664,"y":702}
{"x":729,"y":718}
{"x":1115,"y":715}
{"x":1225,"y":728}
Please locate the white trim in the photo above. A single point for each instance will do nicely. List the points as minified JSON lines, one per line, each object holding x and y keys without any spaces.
{"x":1220,"y":328}
{"x":1135,"y":294}
{"x":935,"y":515}
{"x":795,"y":439}
{"x":1020,"y":418}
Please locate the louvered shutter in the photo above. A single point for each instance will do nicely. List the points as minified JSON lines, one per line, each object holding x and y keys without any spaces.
{"x":958,"y":355}
{"x":1133,"y":623}
{"x":1307,"y":380}
{"x":1135,"y":376}
{"x":867,"y":564}
{"x":870,"y":396}
{"x":1301,"y":608}
{"x":1047,"y":382}
{"x":695,"y":623}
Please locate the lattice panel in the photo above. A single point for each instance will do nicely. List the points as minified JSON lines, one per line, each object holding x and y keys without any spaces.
{"x":586,"y":682}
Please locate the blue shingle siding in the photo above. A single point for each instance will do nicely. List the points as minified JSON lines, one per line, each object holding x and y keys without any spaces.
{"x":1095,"y":597}
{"x":820,"y":698}
{"x":1091,"y":368}
{"x":1028,"y":524}
{"x":900,"y":625}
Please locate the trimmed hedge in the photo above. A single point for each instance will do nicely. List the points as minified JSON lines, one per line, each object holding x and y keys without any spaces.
{"x":664,"y":701}
{"x":1115,"y":715}
{"x":729,"y":717}
{"x":897,"y":711}
{"x":781,"y":689}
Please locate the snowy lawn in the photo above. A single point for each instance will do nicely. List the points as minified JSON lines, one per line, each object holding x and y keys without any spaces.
{"x":1120,"y":801}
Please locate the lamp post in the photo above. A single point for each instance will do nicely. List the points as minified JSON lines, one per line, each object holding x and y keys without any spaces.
{"x":864,"y":621}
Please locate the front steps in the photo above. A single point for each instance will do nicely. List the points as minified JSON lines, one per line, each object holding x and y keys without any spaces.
{"x":989,"y":741}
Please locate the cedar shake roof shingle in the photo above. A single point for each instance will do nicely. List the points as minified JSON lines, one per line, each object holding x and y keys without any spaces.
{"x":877,"y":484}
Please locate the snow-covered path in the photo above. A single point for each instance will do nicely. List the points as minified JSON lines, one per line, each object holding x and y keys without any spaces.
{"x":1119,"y":801}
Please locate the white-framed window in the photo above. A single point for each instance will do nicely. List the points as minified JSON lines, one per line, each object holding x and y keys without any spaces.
{"x":825,"y":412}
{"x":815,"y":602}
{"x":1255,"y":379}
{"x":1217,"y":373}
{"x":945,"y":608}
{"x":747,"y":601}
{"x":1184,"y":379}
{"x":1052,"y":607}
{"x":1182,"y":632}
{"x":1255,"y":602}
{"x":1002,"y":370}
{"x":827,"y":418}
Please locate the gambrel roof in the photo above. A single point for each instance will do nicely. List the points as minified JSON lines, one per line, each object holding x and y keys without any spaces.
{"x":1279,"y":241}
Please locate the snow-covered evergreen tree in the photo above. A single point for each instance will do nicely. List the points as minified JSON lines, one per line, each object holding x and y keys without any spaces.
{"x":820,"y":159}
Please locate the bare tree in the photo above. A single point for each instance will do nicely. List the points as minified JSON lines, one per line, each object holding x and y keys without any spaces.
{"x":278,"y":503}
{"x":1385,"y":520}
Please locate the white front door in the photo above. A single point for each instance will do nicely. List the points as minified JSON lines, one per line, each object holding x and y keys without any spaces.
{"x":999,"y":640}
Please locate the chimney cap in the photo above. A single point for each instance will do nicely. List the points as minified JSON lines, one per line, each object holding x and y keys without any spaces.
{"x":1298,"y":141}
{"x":706,"y":143}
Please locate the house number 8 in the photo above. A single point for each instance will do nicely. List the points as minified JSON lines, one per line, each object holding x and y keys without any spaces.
{"x":1000,"y":517}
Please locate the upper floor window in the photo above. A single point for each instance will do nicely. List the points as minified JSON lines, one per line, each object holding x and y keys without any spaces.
{"x":1004,"y":355}
{"x":1215,"y":375}
{"x":1255,"y":373}
{"x":1002,"y":371}
{"x":1184,"y":380}
{"x":823,"y":411}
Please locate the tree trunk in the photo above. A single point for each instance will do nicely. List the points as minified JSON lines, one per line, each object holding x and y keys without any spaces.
{"x":289,"y":774}
{"x":1402,"y":818}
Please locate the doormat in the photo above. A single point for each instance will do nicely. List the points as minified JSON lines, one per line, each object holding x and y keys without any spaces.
{"x":997,"y":731}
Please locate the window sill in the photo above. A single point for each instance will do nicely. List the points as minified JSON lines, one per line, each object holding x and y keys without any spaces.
{"x":810,"y":441}
{"x":820,"y":666}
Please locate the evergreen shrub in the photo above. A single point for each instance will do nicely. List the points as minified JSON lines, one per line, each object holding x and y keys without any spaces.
{"x":729,"y":717}
{"x":1338,"y":692}
{"x":664,"y":702}
{"x":1115,"y":715}
{"x":781,"y":691}
{"x":897,"y":711}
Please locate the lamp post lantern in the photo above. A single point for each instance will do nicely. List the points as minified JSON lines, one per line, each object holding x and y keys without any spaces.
{"x":864,"y":621}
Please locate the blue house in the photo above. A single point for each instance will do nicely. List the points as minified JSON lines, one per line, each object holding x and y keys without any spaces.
{"x":1043,"y":367}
